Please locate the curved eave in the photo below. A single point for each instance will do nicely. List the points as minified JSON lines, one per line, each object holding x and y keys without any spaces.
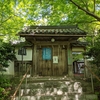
{"x":45,"y":35}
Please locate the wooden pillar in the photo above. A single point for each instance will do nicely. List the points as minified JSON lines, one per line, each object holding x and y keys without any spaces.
{"x":70,"y":61}
{"x":85,"y":69}
{"x":32,"y":69}
{"x":34,"y":60}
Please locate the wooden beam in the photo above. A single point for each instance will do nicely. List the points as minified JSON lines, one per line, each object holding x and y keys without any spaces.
{"x":51,"y":43}
{"x":45,"y":35}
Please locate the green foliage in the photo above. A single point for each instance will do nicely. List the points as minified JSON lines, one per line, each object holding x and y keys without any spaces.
{"x":94,"y":53}
{"x":6,"y":54}
{"x":5,"y":87}
{"x":78,"y":56}
{"x":15,"y":14}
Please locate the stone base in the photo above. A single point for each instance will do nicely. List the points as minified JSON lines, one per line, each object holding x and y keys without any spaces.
{"x":89,"y":97}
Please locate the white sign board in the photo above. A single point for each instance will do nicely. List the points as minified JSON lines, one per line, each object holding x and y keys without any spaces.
{"x":55,"y":59}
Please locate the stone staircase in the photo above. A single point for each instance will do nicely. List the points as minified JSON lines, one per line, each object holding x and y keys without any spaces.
{"x":54,"y":88}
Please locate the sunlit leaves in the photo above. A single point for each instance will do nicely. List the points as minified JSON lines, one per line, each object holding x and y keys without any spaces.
{"x":15,"y":14}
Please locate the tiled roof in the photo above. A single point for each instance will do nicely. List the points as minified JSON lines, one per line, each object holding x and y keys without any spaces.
{"x":76,"y":44}
{"x":66,"y":30}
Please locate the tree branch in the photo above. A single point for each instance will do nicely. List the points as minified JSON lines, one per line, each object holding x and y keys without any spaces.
{"x":87,"y":12}
{"x":82,"y":22}
{"x":5,"y":20}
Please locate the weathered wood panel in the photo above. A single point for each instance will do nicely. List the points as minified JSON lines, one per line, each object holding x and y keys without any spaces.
{"x":57,"y":65}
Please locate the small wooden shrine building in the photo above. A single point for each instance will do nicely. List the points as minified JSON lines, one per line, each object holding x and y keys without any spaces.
{"x":52,"y":48}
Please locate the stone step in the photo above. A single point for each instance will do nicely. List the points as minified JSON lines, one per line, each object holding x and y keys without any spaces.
{"x":48,"y":91}
{"x":59,"y":97}
{"x":53,"y":89}
{"x":43,"y":79}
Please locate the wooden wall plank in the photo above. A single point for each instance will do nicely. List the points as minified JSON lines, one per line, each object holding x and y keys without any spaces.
{"x":47,"y":67}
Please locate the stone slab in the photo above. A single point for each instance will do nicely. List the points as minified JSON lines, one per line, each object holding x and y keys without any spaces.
{"x":90,"y":97}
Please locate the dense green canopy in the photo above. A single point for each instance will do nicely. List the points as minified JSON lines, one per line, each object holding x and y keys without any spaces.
{"x":15,"y":14}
